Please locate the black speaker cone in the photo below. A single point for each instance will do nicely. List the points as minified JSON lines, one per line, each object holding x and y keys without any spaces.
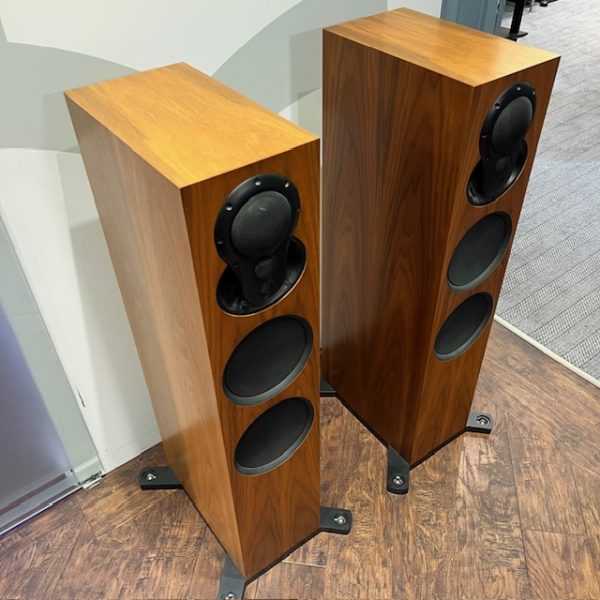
{"x":512,"y":124}
{"x":253,"y":235}
{"x":267,"y":360}
{"x":502,"y":144}
{"x":274,"y":436}
{"x":464,"y":325}
{"x":262,"y":224}
{"x":479,"y":251}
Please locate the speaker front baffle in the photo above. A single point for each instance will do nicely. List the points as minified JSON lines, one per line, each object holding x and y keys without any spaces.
{"x":429,"y":135}
{"x":210,"y":207}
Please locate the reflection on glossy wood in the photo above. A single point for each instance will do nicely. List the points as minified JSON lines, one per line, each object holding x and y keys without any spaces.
{"x":466,"y":530}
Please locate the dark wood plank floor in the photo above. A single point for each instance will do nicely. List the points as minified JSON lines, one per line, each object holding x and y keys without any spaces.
{"x":512,"y":515}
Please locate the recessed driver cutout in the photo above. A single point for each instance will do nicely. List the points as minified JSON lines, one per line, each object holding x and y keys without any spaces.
{"x":274,"y":436}
{"x":464,"y":325}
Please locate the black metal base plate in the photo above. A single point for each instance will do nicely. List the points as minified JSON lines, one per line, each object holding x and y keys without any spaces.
{"x":335,"y":520}
{"x":398,"y":473}
{"x":480,"y":422}
{"x":158,"y":478}
{"x":233,"y":583}
{"x":505,"y":32}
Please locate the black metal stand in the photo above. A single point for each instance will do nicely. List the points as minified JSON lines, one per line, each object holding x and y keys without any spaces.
{"x":233,"y":583}
{"x":335,"y":520}
{"x":398,"y":468}
{"x":515,"y":25}
{"x":158,"y":478}
{"x":479,"y":422}
{"x":398,"y":471}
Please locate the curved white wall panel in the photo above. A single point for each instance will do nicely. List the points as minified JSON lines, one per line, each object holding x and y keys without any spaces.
{"x":46,"y":203}
{"x":142,"y":34}
{"x":430,"y":7}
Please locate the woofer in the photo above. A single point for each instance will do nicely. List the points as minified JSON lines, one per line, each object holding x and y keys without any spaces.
{"x":464,"y":325}
{"x":267,"y":360}
{"x":274,"y":436}
{"x":479,"y":251}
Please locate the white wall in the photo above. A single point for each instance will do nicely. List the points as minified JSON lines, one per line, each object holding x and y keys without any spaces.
{"x":267,"y":49}
{"x":430,"y":7}
{"x":46,"y":203}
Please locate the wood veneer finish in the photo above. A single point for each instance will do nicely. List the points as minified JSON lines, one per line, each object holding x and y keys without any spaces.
{"x":163,"y":149}
{"x":405,"y":96}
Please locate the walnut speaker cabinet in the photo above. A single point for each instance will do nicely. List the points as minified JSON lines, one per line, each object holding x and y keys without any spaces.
{"x":430,"y":130}
{"x":210,"y":207}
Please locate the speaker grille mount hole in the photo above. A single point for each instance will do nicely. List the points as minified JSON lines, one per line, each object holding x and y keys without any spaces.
{"x":479,"y":251}
{"x":267,"y":360}
{"x":274,"y":436}
{"x":464,"y":325}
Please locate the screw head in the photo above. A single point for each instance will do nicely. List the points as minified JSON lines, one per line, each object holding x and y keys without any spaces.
{"x":482,"y":420}
{"x":398,"y":480}
{"x":229,"y":596}
{"x":340,"y":519}
{"x":150,"y":476}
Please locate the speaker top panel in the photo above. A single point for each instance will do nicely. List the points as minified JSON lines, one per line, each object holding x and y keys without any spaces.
{"x":188,"y":126}
{"x":454,"y":51}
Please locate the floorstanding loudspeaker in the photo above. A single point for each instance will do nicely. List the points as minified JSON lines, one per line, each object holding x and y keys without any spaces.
{"x":429,"y":135}
{"x":210,"y":207}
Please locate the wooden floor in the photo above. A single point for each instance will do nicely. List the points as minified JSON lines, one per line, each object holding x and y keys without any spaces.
{"x":512,"y":515}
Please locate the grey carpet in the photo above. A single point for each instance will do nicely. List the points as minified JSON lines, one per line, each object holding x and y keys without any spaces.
{"x":552,"y":286}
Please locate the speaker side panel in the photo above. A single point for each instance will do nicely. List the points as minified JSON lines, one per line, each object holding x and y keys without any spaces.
{"x":456,"y":379}
{"x":393,"y":148}
{"x":278,"y":508}
{"x":143,"y":221}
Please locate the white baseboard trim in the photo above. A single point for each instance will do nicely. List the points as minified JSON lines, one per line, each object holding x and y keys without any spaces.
{"x":88,"y":469}
{"x":547,"y":352}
